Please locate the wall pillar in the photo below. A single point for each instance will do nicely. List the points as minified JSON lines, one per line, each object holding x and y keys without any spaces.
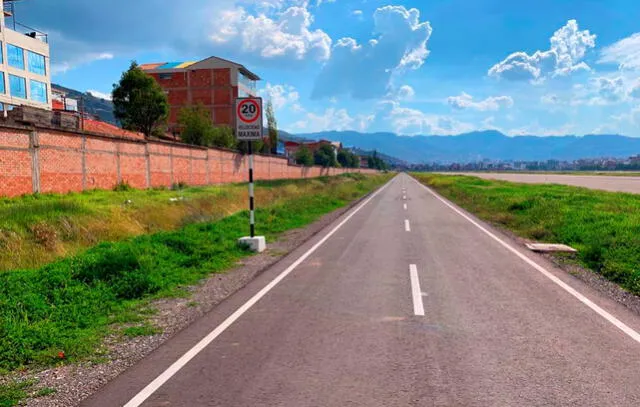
{"x":34,"y":149}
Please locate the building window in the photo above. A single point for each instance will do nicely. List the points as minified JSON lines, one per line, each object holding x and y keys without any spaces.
{"x":2,"y":88}
{"x":18,"y":86}
{"x":1,"y":54}
{"x":36,"y":63}
{"x":38,"y":91}
{"x":165,"y":76}
{"x":15,"y":55}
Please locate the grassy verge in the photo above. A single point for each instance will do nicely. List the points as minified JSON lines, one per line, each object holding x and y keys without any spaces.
{"x":60,"y":312}
{"x":603,"y":226}
{"x":38,"y":229}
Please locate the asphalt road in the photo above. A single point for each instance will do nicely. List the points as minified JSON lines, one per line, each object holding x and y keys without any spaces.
{"x":603,"y":182}
{"x":342,"y":322}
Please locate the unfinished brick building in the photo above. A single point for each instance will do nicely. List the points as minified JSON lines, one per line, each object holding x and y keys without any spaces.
{"x":213,"y":82}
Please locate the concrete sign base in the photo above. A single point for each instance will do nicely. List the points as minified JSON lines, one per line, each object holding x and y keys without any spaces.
{"x":256,"y":244}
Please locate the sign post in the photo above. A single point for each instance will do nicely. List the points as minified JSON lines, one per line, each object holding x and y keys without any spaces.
{"x":249,"y":128}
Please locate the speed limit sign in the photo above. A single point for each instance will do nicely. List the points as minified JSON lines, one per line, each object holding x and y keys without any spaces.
{"x":249,"y":118}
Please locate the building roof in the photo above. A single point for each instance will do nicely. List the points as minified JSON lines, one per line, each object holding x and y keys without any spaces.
{"x":158,"y":66}
{"x":97,"y":126}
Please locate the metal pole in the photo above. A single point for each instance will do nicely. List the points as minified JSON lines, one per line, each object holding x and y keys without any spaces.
{"x":251,"y":214}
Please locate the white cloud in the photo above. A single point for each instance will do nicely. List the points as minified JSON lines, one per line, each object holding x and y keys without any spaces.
{"x":600,"y":91}
{"x":408,"y":121}
{"x":635,"y":90}
{"x":78,"y":60}
{"x":625,"y":53}
{"x":405,"y":92}
{"x":281,"y":95}
{"x":609,"y":90}
{"x":286,"y":37}
{"x":550,"y":99}
{"x":357,"y":13}
{"x":568,"y":46}
{"x":98,"y":94}
{"x":365,"y":71}
{"x":465,"y":101}
{"x":331,"y":119}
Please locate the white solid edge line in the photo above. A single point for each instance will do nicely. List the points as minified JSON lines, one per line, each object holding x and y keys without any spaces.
{"x":151,"y":388}
{"x":416,"y":293}
{"x":600,"y":311}
{"x":407,"y":226}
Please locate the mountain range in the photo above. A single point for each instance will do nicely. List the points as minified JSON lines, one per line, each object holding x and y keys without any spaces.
{"x":490,"y":144}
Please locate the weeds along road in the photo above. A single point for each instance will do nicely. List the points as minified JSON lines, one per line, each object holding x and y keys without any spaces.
{"x":404,"y":301}
{"x":604,"y":182}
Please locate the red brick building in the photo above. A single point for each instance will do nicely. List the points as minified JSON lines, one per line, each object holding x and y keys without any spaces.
{"x":213,"y":82}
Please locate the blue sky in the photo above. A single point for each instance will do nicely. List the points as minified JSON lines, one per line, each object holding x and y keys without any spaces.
{"x":442,"y":67}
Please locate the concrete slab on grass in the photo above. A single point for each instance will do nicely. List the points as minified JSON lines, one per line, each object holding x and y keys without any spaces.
{"x":256,"y":244}
{"x":550,"y":248}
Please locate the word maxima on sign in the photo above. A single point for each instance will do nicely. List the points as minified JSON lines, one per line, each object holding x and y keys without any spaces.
{"x":249,"y":119}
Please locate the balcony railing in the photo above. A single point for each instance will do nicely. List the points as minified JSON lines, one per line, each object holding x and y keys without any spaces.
{"x":31,"y":32}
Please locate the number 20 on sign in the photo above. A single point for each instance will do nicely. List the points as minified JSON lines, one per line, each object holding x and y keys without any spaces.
{"x":249,"y":118}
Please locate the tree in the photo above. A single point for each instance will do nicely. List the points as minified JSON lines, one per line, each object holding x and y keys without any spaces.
{"x":223,"y":137}
{"x":375,"y":162}
{"x":272,"y":126}
{"x":196,"y":125}
{"x":348,"y":160}
{"x":325,"y":156}
{"x":304,"y":157}
{"x":139,"y":103}
{"x":198,"y":128}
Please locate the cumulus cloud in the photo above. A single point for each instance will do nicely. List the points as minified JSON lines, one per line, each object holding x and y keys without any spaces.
{"x":568,"y":46}
{"x":281,"y":95}
{"x":625,"y":53}
{"x":357,"y":13}
{"x":276,"y":31}
{"x":409,"y":121}
{"x":287,"y":37}
{"x":465,"y":101}
{"x":364,"y":71}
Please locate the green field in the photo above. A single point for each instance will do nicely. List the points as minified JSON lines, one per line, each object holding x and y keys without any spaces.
{"x":59,"y":313}
{"x":603,"y":226}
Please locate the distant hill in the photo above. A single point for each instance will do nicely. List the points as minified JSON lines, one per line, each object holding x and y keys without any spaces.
{"x":93,"y":105}
{"x":481,"y":145}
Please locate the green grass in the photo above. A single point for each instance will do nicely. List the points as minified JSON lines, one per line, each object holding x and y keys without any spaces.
{"x":142,"y":330}
{"x":11,"y":393}
{"x":603,"y":226}
{"x":38,"y":229}
{"x":46,"y":391}
{"x":69,"y":305}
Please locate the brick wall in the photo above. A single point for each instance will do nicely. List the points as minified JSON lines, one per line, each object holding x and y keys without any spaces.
{"x":47,"y":160}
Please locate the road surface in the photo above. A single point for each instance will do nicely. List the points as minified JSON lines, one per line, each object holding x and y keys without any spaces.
{"x":404,"y":301}
{"x":603,"y":182}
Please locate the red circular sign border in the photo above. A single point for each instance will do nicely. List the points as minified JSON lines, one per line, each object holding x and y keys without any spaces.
{"x":257,"y":107}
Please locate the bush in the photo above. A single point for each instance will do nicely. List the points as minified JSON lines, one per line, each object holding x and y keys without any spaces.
{"x":325,"y":156}
{"x":304,"y":157}
{"x":122,"y":186}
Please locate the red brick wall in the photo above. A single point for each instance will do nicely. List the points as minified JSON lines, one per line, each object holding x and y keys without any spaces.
{"x":69,"y":161}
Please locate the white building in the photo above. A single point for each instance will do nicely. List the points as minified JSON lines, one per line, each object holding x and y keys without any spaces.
{"x":25,"y":74}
